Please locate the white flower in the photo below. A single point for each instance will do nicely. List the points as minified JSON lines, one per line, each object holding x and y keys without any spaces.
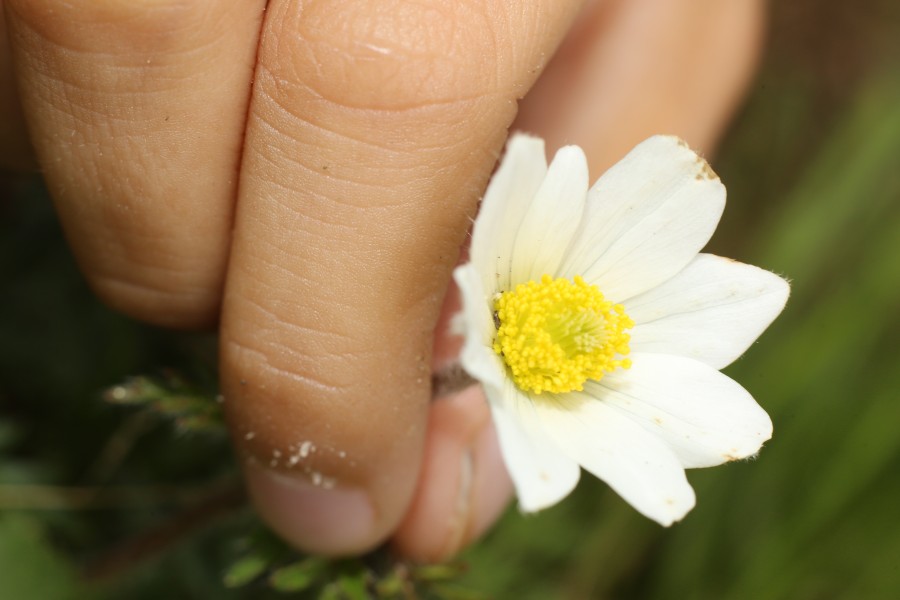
{"x":566,"y":386}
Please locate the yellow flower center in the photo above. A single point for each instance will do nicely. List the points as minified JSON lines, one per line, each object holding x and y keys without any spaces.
{"x":557,"y":334}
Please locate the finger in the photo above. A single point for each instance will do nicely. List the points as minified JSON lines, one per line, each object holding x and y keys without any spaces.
{"x":15,"y":150}
{"x":372,"y":130}
{"x":463,"y":487}
{"x":629,"y":70}
{"x":136,"y":109}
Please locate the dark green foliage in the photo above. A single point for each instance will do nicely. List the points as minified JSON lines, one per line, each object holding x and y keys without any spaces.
{"x":266,"y":562}
{"x":170,"y":396}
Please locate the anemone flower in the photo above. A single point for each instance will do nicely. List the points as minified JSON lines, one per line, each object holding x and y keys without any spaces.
{"x":597,"y":328}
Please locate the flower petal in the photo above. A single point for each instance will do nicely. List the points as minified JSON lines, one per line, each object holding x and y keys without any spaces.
{"x":711,"y":311}
{"x":503,"y":208}
{"x":705,"y":417}
{"x":541,"y":473}
{"x":646,"y":218}
{"x":636,"y":464}
{"x":553,"y":217}
{"x":477,"y":356}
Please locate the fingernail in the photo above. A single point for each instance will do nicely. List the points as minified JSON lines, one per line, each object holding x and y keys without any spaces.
{"x":460,"y":515}
{"x":483,"y":491}
{"x":337,"y":521}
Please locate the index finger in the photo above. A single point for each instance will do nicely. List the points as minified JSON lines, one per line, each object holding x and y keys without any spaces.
{"x":373,"y":128}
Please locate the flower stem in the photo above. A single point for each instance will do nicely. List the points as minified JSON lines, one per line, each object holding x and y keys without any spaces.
{"x":449,"y":380}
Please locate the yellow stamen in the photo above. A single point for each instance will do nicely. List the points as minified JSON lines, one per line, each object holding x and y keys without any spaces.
{"x":557,"y":334}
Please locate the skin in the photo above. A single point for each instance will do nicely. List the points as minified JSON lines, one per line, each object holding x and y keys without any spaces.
{"x":302,"y":175}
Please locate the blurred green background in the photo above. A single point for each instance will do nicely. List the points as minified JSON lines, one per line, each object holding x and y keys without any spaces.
{"x":812,"y":166}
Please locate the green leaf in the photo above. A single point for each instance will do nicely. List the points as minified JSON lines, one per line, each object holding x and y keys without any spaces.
{"x":443,"y":572}
{"x":353,"y":587}
{"x":245,"y":571}
{"x":391,"y":586}
{"x":331,"y":592}
{"x":297,"y":576}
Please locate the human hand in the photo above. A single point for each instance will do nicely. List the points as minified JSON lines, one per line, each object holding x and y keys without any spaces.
{"x":316,"y":216}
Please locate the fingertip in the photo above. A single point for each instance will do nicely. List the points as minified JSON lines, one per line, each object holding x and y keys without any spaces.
{"x":314,"y":515}
{"x":464,"y":486}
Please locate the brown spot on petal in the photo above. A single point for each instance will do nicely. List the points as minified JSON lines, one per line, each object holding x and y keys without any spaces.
{"x":705,"y":171}
{"x":732,"y":455}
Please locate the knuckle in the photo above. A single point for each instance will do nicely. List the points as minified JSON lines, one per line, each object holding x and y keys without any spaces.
{"x":272,"y":342}
{"x":287,"y":368}
{"x":386,"y":55}
{"x":80,"y":26}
